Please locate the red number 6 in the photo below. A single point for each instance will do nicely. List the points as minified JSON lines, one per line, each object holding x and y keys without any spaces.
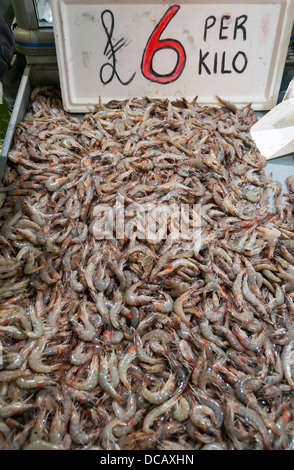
{"x":155,"y":44}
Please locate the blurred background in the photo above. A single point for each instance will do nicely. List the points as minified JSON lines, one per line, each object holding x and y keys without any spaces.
{"x":6,"y":9}
{"x":4,"y":121}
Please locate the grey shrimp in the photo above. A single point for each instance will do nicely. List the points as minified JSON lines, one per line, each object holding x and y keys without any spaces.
{"x":38,"y":328}
{"x":116,"y":309}
{"x":78,"y":356}
{"x":15,"y":408}
{"x":91,"y":381}
{"x":181,"y":410}
{"x":157,"y":411}
{"x":109,"y":441}
{"x":160,"y":396}
{"x":287,"y":358}
{"x":178,"y":305}
{"x":125,"y":413}
{"x":130,"y":297}
{"x":85,"y":330}
{"x":36,"y":358}
{"x":203,"y":417}
{"x":105,"y":383}
{"x":78,"y":436}
{"x":124,"y":364}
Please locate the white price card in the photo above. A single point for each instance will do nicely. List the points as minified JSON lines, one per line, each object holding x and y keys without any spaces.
{"x":120,"y":49}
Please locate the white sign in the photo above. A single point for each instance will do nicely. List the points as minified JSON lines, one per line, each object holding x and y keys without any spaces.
{"x":117,"y":50}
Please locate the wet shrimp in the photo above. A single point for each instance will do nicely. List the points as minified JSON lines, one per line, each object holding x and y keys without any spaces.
{"x":160,"y":396}
{"x":146,"y":268}
{"x":104,"y":383}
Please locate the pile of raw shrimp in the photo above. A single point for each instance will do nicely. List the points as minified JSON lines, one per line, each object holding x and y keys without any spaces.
{"x":146,"y":281}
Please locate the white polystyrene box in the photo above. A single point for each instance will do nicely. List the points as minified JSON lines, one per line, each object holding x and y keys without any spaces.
{"x":120,"y":49}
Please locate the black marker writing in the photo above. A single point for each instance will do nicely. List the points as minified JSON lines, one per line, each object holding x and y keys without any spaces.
{"x":224,"y":24}
{"x":220,"y":63}
{"x":240,"y":26}
{"x":223,"y":28}
{"x":110,"y":52}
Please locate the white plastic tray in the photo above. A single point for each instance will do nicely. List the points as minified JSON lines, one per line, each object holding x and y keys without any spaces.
{"x":120,"y":49}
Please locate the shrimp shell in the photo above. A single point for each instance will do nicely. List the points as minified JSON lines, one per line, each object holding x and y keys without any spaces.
{"x":146,"y":281}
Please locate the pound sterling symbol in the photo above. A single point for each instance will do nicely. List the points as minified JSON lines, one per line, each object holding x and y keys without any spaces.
{"x":111,"y":50}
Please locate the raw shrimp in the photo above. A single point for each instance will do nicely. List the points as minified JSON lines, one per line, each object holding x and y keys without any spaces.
{"x":36,"y":359}
{"x":146,"y":268}
{"x":160,"y":396}
{"x":104,"y":383}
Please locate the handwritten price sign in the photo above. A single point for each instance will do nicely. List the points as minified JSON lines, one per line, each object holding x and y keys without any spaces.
{"x":119,"y":50}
